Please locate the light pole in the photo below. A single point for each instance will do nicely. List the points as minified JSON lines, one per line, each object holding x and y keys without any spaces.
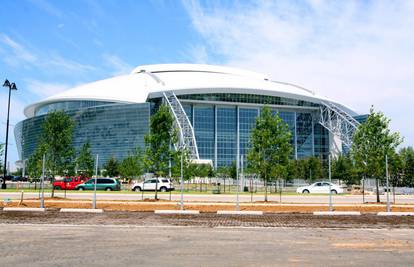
{"x":11,"y":86}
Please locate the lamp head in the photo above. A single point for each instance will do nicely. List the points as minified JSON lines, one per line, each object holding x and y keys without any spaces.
{"x":13,"y":86}
{"x":6,"y":83}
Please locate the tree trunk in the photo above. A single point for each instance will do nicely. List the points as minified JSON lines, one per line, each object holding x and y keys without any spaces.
{"x":53,"y":188}
{"x":224,"y":182}
{"x":265,"y":191}
{"x":377,"y":185}
{"x":156,"y":189}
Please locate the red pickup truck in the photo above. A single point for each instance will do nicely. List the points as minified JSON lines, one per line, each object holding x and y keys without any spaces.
{"x":69,"y":183}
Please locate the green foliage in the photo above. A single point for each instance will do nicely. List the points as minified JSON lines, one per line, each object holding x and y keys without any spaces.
{"x":85,"y":160}
{"x":132,"y":166}
{"x":34,"y":163}
{"x":56,"y":140}
{"x":158,"y":142}
{"x":343,"y":169}
{"x":270,"y":146}
{"x":313,"y":168}
{"x":372,"y":141}
{"x":111,"y":167}
{"x":407,"y":166}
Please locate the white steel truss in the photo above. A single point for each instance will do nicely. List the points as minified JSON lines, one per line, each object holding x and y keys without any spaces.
{"x":338,"y":122}
{"x":186,"y":136}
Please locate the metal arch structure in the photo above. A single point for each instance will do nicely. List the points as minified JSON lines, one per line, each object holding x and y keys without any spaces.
{"x":338,"y":122}
{"x":181,"y":121}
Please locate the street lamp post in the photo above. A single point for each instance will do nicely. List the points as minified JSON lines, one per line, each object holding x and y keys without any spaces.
{"x":11,"y":86}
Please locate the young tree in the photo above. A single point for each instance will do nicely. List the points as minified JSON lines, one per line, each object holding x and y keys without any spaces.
{"x":158,"y":143}
{"x":407,"y":161}
{"x":342,"y":169}
{"x":111,"y":167}
{"x":270,"y":146}
{"x":35,"y":163}
{"x":56,"y":140}
{"x":85,"y":160}
{"x":371,"y":142}
{"x":132,"y":165}
{"x":313,"y":168}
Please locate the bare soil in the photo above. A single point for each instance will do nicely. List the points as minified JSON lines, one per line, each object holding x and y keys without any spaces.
{"x":53,"y":216}
{"x":151,"y":205}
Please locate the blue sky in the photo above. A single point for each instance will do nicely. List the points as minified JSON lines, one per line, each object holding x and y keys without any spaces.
{"x":357,"y":52}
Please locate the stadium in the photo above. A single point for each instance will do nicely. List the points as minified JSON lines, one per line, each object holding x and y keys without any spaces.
{"x":214,"y":108}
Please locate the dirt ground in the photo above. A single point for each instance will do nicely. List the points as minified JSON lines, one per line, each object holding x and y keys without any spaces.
{"x":151,"y":205}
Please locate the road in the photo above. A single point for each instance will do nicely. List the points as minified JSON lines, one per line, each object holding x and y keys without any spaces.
{"x":309,"y":199}
{"x":132,"y":245}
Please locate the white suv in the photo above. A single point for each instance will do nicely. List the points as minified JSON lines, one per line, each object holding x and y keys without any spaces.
{"x":164,"y":185}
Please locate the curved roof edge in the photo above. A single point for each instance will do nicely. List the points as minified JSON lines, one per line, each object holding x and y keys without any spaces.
{"x":159,"y":68}
{"x":151,"y":80}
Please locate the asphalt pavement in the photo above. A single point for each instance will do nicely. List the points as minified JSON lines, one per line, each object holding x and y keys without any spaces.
{"x":129,"y":245}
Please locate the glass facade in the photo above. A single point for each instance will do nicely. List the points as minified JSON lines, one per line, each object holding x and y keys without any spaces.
{"x":113,"y":130}
{"x":249,"y":98}
{"x":247,"y":121}
{"x":69,"y":105}
{"x":204,"y":128}
{"x":221,"y":129}
{"x":226,"y":135}
{"x":304,"y":138}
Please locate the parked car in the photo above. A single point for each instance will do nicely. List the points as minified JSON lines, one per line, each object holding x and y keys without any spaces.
{"x":69,"y":183}
{"x":320,"y":188}
{"x":164,"y":185}
{"x":108,"y":184}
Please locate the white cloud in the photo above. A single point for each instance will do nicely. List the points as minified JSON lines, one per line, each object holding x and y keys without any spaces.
{"x":42,"y":89}
{"x":359,"y":53}
{"x":47,"y":7}
{"x":115,"y":63}
{"x":18,"y":50}
{"x":45,"y":61}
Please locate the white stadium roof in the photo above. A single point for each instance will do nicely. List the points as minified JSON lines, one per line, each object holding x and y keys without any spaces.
{"x":151,"y":80}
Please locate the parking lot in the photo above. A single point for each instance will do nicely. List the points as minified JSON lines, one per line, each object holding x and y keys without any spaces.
{"x":171,"y":245}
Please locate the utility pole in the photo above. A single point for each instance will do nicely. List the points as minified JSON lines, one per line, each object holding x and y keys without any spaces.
{"x":42,"y":183}
{"x":330,"y":183}
{"x":182,"y":181}
{"x":94,"y":184}
{"x":388,"y":187}
{"x":11,"y":86}
{"x":238,"y":183}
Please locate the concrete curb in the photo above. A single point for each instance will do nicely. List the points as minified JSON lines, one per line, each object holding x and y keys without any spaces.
{"x":384,"y":213}
{"x":24,"y":209}
{"x":239,"y":212}
{"x":176,"y":212}
{"x":83,"y":210}
{"x":332,"y":213}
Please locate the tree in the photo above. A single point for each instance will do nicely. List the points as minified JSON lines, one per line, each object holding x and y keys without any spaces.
{"x":158,"y":143}
{"x":158,"y":151}
{"x":407,"y":161}
{"x":56,"y":141}
{"x":132,"y":165}
{"x":34,"y":164}
{"x":342,"y":169}
{"x":111,"y":167}
{"x":371,"y":142}
{"x":313,"y":168}
{"x":85,"y":161}
{"x":270,"y":146}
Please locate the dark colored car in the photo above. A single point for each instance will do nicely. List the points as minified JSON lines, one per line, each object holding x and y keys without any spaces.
{"x":108,"y":184}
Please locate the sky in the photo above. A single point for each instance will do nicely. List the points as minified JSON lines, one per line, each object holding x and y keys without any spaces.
{"x":360,"y":53}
